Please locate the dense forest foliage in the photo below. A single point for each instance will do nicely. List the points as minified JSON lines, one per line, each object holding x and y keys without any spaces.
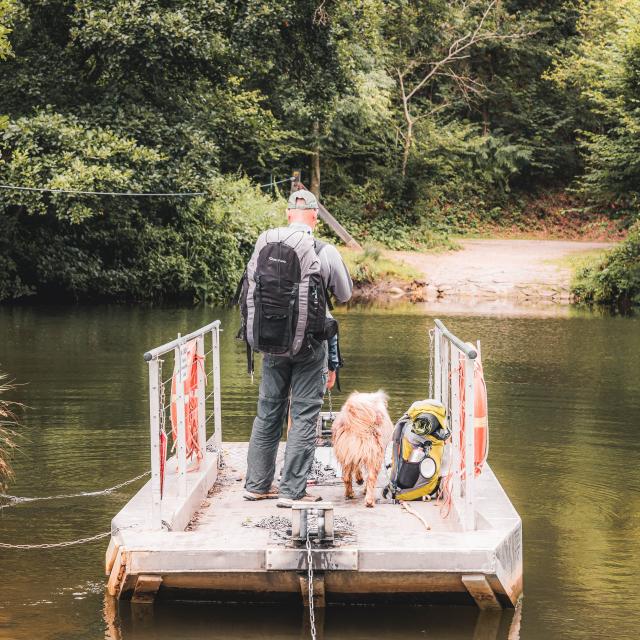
{"x":411,"y":118}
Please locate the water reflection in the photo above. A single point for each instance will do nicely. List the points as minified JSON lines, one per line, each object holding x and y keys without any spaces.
{"x":128,"y":621}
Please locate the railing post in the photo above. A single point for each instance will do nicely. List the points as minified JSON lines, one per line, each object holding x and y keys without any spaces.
{"x":456,"y":426}
{"x":446,"y":373}
{"x":469,"y":444}
{"x":437,"y":366}
{"x":154,"y":424}
{"x":217,"y":409}
{"x":181,"y":360}
{"x":202,"y":425}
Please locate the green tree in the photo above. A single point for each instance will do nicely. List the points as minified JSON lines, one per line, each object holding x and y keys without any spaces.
{"x":6,"y":8}
{"x":603,"y":75}
{"x":140,"y":96}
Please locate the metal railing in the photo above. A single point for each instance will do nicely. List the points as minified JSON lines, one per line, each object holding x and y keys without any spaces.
{"x":165,"y":362}
{"x":454,"y":387}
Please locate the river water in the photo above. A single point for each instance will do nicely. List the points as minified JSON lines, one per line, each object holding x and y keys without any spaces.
{"x":564,"y":394}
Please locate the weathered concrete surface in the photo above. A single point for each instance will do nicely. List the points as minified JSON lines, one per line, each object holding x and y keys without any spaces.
{"x":223,"y":555}
{"x":499,"y":269}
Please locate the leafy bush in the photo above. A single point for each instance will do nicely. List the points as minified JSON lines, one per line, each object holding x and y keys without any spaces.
{"x":113,"y":97}
{"x":615,"y":279}
{"x":372,"y":215}
{"x":5,"y":9}
{"x":186,"y":250}
{"x":455,"y":176}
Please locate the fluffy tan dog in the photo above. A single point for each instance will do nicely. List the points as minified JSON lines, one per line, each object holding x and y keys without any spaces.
{"x":361,"y":431}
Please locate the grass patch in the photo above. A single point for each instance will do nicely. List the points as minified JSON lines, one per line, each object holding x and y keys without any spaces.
{"x":580,"y":260}
{"x":371,"y":265}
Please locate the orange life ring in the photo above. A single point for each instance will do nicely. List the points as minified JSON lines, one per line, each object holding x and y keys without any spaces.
{"x":480,"y":414}
{"x":481,"y":419}
{"x":190,"y":400}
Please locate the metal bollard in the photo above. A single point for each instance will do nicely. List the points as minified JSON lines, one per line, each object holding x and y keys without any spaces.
{"x":300,"y":512}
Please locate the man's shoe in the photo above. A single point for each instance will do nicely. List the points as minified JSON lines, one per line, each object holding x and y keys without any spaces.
{"x":272,"y":494}
{"x":288,"y":502}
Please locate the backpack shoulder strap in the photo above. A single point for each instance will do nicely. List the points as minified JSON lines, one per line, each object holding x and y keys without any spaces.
{"x":318,"y":246}
{"x":236,"y":296}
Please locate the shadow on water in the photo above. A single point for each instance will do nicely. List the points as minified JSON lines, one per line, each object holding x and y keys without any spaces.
{"x":235,"y":622}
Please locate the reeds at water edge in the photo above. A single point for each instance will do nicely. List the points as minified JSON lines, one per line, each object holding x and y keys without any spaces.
{"x":8,"y":435}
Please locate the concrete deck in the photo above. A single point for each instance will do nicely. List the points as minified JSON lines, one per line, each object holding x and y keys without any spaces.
{"x":215,"y":552}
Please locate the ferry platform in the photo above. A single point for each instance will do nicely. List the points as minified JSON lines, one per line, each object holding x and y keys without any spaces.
{"x":202,"y":541}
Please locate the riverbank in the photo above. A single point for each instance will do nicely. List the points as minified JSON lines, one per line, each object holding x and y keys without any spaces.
{"x":495,"y":269}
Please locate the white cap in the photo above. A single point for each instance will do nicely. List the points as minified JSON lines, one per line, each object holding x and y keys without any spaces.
{"x":310,"y":201}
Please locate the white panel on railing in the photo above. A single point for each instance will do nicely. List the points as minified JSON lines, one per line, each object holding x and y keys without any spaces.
{"x":217,"y":407}
{"x":455,"y":429}
{"x":200,"y":391}
{"x":469,"y":444}
{"x":181,"y":359}
{"x":437,"y":363}
{"x":154,"y":423}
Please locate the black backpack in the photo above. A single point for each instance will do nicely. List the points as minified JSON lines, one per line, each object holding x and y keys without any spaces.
{"x":283,"y":299}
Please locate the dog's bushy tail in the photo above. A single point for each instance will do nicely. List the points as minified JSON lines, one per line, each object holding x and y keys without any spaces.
{"x":362,"y":425}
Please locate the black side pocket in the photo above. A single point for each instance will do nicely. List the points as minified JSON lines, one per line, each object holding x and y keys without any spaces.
{"x":275,"y":323}
{"x":330,"y":328}
{"x":408,"y":474}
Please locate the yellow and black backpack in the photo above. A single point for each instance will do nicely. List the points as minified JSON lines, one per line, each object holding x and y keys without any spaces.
{"x":417,"y":449}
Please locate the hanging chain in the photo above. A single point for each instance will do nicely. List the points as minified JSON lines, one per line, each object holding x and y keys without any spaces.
{"x":312,"y":615}
{"x":14,"y":500}
{"x":54,"y":545}
{"x":431,"y":358}
{"x":68,"y":543}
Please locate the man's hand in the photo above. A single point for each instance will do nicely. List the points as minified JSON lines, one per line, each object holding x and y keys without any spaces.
{"x":331,"y":379}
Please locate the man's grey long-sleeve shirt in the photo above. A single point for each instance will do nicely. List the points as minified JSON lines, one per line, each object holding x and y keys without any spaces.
{"x":332,"y":268}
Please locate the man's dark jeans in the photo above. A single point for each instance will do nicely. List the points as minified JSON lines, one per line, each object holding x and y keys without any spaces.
{"x":304,"y":376}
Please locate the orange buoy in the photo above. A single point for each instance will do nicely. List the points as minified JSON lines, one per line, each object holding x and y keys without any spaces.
{"x":480,"y":414}
{"x":190,"y":386}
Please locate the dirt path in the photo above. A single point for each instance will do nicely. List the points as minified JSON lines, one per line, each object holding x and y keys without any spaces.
{"x":523,"y":269}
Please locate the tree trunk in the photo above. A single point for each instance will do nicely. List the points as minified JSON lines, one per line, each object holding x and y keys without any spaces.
{"x":315,"y":160}
{"x":407,"y":146}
